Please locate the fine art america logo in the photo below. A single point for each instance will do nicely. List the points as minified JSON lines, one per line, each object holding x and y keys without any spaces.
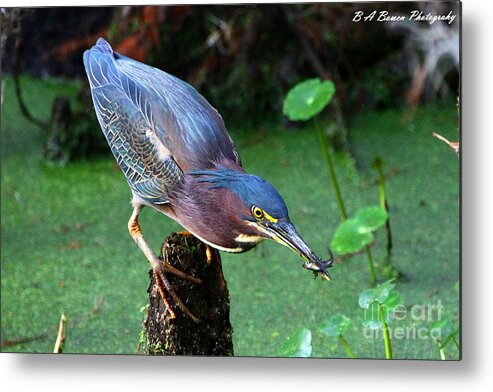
{"x":414,"y":16}
{"x":420,"y":316}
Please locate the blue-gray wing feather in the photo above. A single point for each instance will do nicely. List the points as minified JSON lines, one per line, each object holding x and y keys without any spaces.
{"x":180,"y":118}
{"x":147,"y":164}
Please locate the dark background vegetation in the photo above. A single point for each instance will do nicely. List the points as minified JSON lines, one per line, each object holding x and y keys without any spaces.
{"x":245,"y":57}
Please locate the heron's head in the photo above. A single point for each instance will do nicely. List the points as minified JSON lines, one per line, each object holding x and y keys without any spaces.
{"x":262,"y":213}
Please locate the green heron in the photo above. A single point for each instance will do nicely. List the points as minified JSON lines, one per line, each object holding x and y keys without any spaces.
{"x":178,"y":158}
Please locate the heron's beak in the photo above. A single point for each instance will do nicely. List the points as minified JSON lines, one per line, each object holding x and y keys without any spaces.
{"x":285,"y":233}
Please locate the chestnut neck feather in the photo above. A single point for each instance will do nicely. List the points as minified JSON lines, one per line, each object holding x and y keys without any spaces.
{"x":215,"y":214}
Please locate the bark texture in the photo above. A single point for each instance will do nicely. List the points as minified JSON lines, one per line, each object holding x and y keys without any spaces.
{"x":209,"y":301}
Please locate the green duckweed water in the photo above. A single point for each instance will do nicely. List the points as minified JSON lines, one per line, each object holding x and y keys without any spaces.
{"x":65,"y":245}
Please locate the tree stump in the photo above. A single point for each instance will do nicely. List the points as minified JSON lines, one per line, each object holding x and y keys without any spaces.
{"x":209,"y":301}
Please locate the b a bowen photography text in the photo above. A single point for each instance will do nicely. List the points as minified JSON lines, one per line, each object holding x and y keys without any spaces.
{"x":413,"y":16}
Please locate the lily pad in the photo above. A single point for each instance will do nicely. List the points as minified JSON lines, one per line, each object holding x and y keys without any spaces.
{"x":336,"y":325}
{"x":388,"y":306}
{"x":384,"y":296}
{"x":373,"y":323}
{"x":378,"y":294}
{"x":308,"y":98}
{"x":350,"y":237}
{"x":298,"y":344}
{"x":372,"y":218}
{"x":355,"y":233}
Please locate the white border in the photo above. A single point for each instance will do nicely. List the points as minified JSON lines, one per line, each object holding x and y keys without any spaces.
{"x":80,"y":373}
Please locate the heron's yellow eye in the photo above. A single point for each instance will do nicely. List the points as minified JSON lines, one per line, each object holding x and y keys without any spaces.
{"x":257,"y":212}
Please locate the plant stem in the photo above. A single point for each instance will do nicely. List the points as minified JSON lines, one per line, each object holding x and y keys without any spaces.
{"x":440,"y":348}
{"x":381,"y":186}
{"x":345,"y":344}
{"x":372,"y":267}
{"x":324,"y":144}
{"x":383,"y":201}
{"x":386,"y":335}
{"x":60,"y":339}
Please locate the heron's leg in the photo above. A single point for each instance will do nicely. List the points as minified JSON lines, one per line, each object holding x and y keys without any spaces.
{"x":136,"y":233}
{"x":158,"y":267}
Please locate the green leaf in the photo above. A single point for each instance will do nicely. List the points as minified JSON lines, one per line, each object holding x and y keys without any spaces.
{"x":371,"y":218}
{"x":452,"y":335}
{"x":446,"y":328}
{"x":389,"y":305}
{"x":350,"y":237}
{"x":372,"y":323}
{"x":298,"y":344}
{"x":384,"y":296}
{"x":393,"y":300}
{"x":444,"y":324}
{"x":366,"y":298}
{"x":355,"y":233}
{"x":378,"y":294}
{"x":336,"y":325}
{"x":308,"y":98}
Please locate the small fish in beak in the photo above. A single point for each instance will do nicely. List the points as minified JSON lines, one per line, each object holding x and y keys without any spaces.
{"x":284,"y":232}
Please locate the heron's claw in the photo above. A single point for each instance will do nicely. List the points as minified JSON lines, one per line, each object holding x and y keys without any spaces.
{"x":164,"y":287}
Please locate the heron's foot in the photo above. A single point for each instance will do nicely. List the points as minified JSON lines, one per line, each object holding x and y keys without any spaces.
{"x":167,"y":267}
{"x":165,"y":288}
{"x":160,"y":268}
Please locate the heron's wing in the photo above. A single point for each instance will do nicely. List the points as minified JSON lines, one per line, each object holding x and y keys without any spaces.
{"x":180,"y":118}
{"x":148,"y":166}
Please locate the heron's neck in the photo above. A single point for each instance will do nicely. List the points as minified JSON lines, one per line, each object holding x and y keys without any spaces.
{"x":208,"y":208}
